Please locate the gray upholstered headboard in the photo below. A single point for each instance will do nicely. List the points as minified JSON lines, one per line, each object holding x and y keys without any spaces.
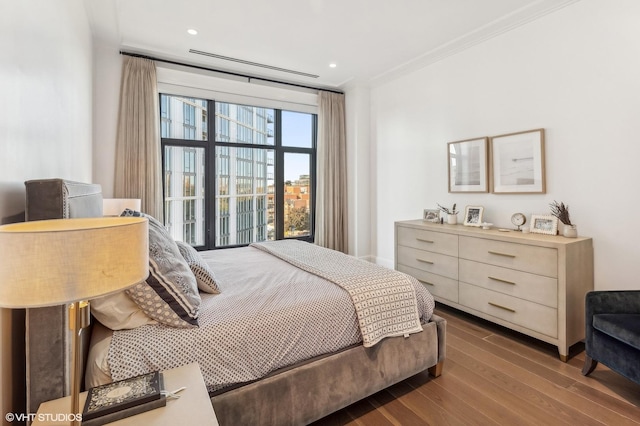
{"x":47,"y":334}
{"x":61,"y":199}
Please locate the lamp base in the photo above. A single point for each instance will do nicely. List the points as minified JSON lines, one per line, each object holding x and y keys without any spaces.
{"x":79,"y":319}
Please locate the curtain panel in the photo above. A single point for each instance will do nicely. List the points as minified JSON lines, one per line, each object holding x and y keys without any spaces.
{"x":138,"y":157}
{"x":331,"y":186}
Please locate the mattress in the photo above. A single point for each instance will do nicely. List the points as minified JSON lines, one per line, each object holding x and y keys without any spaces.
{"x":268,"y":315}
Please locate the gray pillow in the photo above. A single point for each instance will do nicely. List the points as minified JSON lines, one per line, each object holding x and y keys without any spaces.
{"x":204,"y":275}
{"x":170,"y":293}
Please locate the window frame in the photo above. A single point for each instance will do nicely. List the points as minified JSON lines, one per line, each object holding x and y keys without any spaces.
{"x":210,"y":166}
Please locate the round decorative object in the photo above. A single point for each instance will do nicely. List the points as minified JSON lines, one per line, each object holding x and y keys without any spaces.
{"x":518,"y":219}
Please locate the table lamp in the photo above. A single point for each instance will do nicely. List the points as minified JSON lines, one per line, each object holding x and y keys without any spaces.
{"x":69,"y":261}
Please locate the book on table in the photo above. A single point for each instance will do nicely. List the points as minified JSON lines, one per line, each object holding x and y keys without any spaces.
{"x":114,"y":401}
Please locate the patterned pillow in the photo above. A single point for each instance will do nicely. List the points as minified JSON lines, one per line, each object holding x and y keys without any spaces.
{"x":204,"y":275}
{"x":170,"y":294}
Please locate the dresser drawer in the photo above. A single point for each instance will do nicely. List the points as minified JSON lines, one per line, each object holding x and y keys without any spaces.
{"x":439,"y":286}
{"x":428,"y":240}
{"x":435,"y":263}
{"x":533,"y":316}
{"x":532,"y":287}
{"x":534,"y":259}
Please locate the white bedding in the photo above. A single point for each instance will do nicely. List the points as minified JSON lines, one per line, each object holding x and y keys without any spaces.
{"x":268,"y":315}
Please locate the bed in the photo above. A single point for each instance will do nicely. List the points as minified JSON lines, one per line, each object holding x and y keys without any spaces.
{"x":311,"y":374}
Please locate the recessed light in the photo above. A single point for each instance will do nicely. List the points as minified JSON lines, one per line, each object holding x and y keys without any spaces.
{"x":333,"y":65}
{"x":192,"y":31}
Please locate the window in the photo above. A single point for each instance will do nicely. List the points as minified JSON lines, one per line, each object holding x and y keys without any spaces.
{"x":253,"y":182}
{"x":184,"y":192}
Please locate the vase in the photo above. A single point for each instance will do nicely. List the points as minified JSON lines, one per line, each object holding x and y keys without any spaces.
{"x":570,"y":231}
{"x":452,"y":219}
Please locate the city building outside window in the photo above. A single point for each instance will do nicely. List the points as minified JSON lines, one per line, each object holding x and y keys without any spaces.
{"x":255,"y":181}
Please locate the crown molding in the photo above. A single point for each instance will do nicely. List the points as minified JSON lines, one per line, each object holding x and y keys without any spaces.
{"x":493,"y":29}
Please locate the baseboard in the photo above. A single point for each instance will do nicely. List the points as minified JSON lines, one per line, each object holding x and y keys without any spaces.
{"x":367,"y":258}
{"x":384,"y":262}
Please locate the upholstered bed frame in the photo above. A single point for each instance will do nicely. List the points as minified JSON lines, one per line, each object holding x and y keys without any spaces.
{"x":47,"y":335}
{"x":296,"y":395}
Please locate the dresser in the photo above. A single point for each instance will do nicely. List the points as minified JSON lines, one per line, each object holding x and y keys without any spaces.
{"x":532,"y":283}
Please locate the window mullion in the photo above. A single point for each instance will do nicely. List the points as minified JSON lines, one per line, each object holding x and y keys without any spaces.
{"x":279,"y":177}
{"x":313,"y":175}
{"x":211,"y":208}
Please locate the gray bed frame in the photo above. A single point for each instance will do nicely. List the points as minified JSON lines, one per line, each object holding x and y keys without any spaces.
{"x":296,"y":395}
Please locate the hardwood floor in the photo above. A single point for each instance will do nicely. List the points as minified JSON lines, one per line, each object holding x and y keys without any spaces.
{"x":493,"y":376}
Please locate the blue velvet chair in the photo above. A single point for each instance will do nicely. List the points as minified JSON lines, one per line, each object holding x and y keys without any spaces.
{"x":613,"y":332}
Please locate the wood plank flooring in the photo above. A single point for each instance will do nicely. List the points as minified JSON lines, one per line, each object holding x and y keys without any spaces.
{"x":493,"y":376}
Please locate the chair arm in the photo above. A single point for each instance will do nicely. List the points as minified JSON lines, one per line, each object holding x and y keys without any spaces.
{"x":608,"y":302}
{"x":612,"y":302}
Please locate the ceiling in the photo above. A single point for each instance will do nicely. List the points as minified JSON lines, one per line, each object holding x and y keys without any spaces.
{"x":368,"y":40}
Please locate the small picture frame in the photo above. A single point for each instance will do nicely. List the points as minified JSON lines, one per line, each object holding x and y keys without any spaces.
{"x":468,"y":165}
{"x":544,"y":224}
{"x":431,"y":215}
{"x":473,"y":215}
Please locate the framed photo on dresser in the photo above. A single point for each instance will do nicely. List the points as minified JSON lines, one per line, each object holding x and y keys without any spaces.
{"x":473,"y":215}
{"x":431,"y":215}
{"x":544,"y":224}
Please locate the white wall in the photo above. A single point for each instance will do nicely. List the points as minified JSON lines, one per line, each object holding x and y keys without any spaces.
{"x":107,"y":73}
{"x":45,"y":117}
{"x":576,"y":74}
{"x":357,"y":101}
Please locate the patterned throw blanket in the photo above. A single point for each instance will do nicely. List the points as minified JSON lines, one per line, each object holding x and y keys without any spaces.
{"x":384,"y":299}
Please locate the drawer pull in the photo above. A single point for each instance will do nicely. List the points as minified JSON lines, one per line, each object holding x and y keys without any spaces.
{"x":426,"y":283}
{"x":497,"y":253}
{"x":502,"y":281}
{"x":502,"y":307}
{"x":424,"y":261}
{"x":424,"y":241}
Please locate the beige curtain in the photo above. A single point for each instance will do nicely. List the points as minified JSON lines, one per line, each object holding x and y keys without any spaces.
{"x":331,"y":186}
{"x":138,"y":157}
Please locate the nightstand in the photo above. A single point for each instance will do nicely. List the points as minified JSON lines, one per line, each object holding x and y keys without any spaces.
{"x":193,"y":407}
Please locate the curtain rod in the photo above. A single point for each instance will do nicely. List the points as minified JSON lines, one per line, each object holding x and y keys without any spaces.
{"x":249,"y":77}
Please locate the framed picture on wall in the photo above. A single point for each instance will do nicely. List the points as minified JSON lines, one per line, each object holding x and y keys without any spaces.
{"x":544,"y":224}
{"x":468,"y":161}
{"x":517,"y":163}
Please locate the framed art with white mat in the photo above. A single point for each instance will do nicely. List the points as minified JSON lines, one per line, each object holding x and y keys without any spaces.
{"x":517,"y":163}
{"x":467,"y":165}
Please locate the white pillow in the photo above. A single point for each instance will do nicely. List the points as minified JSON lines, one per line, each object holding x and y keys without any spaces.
{"x":118,"y":312}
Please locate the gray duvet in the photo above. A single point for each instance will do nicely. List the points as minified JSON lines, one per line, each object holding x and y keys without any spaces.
{"x":269,"y":315}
